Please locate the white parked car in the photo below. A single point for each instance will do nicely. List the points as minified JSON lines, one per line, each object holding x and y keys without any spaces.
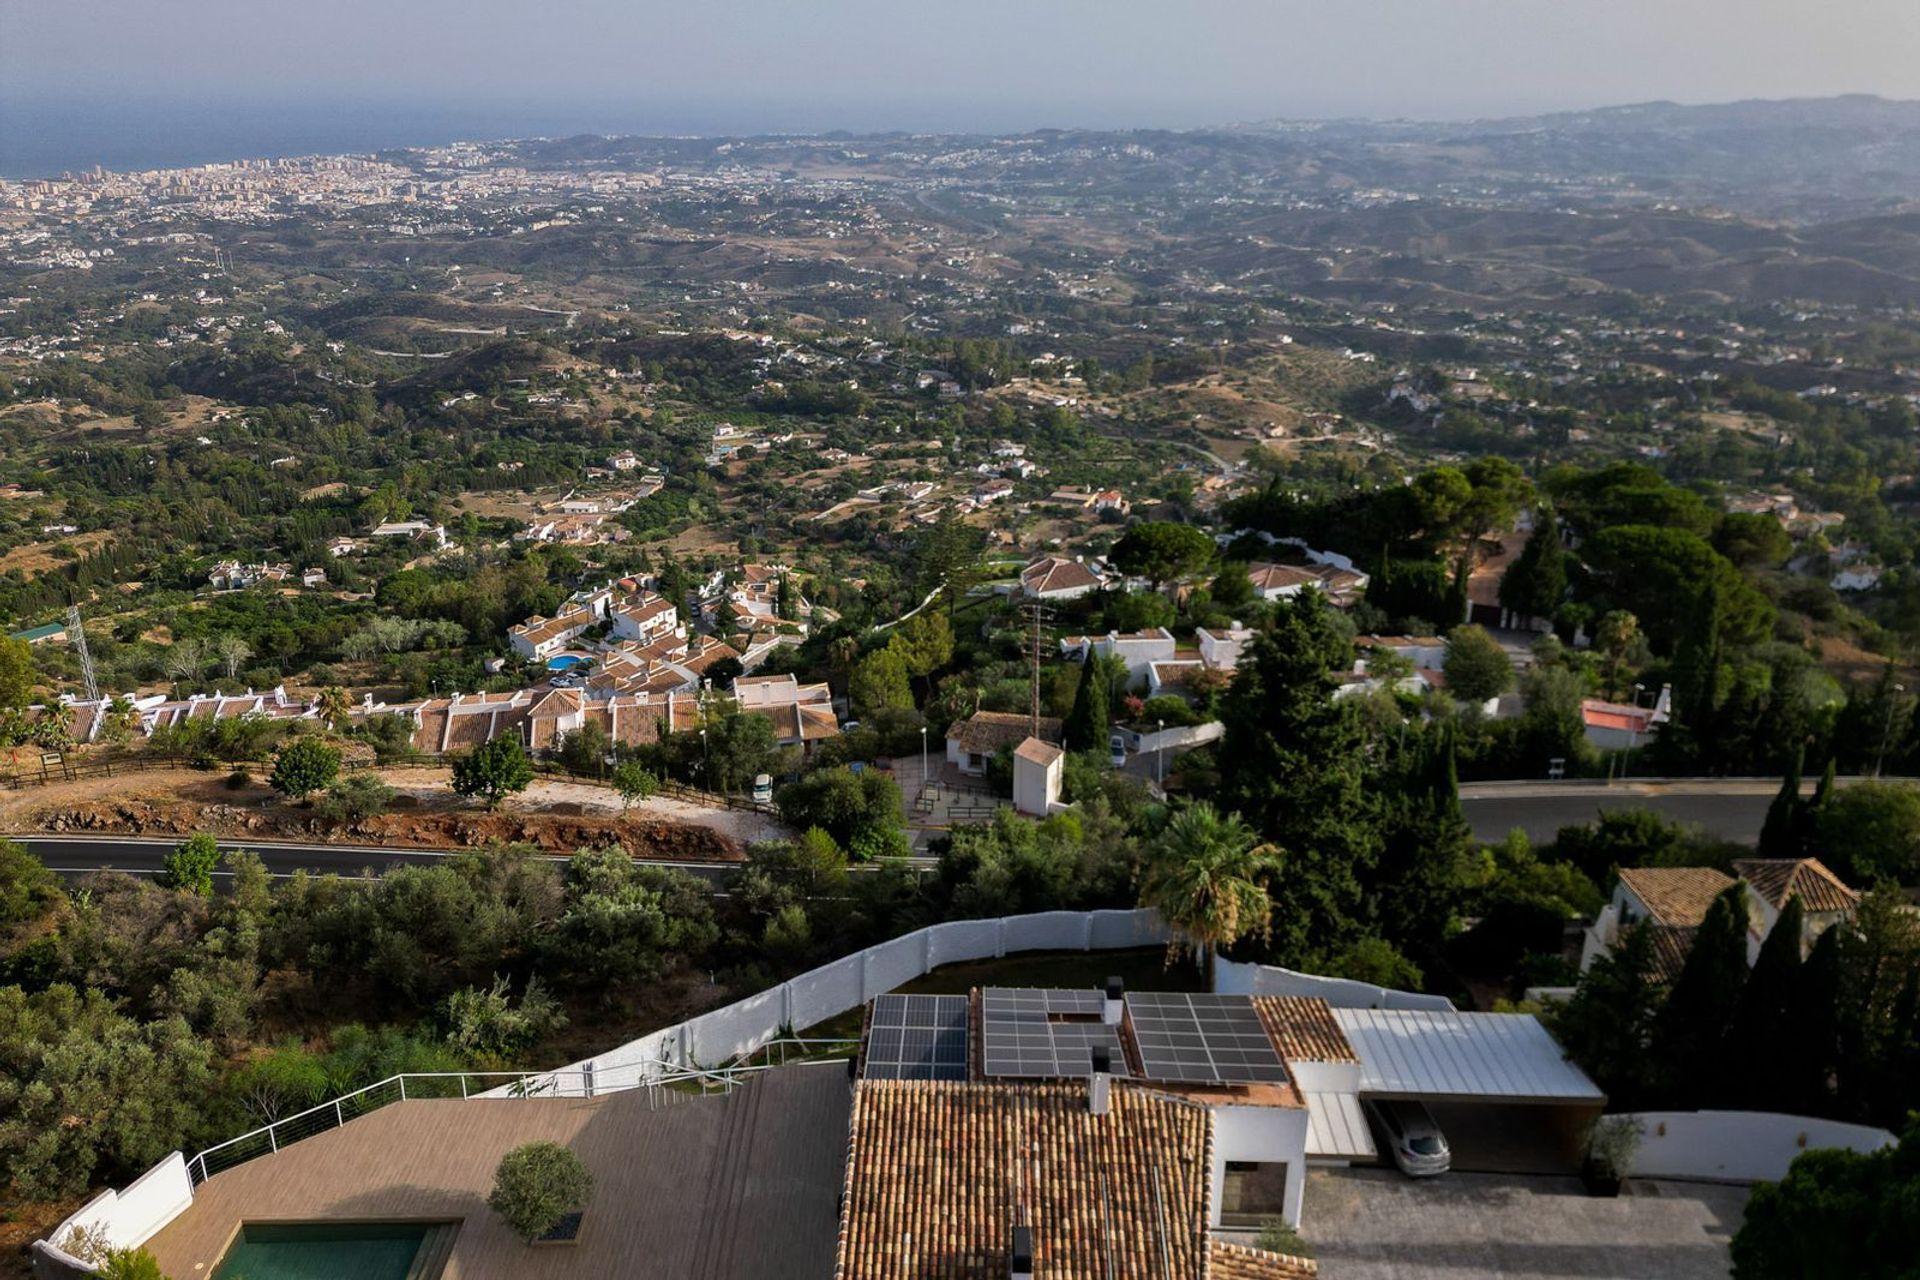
{"x":1117,"y":750}
{"x":1417,"y":1144}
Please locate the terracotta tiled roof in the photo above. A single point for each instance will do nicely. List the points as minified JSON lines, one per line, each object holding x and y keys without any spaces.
{"x":1777,"y":879}
{"x":1671,"y":945}
{"x":985,"y":732}
{"x":1238,"y":1262}
{"x":1038,"y":752}
{"x":939,"y":1173}
{"x":1303,"y":1029}
{"x":1278,"y":577}
{"x":1057,"y":573}
{"x":1675,"y":895}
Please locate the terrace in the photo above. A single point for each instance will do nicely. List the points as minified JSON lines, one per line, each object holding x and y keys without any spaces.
{"x":709,"y":1187}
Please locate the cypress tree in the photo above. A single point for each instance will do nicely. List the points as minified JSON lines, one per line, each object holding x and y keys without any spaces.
{"x":1092,"y":713}
{"x":1780,"y":833}
{"x":1537,"y":580}
{"x":1690,"y":1033}
{"x":1760,"y":1025}
{"x":1810,"y":1056}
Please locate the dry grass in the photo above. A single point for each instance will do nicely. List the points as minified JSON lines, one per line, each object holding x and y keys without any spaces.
{"x":38,"y":557}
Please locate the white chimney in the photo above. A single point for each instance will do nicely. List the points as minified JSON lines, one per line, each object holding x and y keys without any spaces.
{"x":1100,"y":1082}
{"x":1110,"y":1010}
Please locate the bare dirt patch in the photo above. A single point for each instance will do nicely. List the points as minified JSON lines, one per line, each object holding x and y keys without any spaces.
{"x":553,"y":817}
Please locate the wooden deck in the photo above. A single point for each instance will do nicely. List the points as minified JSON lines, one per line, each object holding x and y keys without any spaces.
{"x":745,"y":1185}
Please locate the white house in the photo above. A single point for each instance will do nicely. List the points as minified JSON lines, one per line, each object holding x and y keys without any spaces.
{"x":538,"y":638}
{"x":1672,"y":902}
{"x":625,"y":460}
{"x":645,"y":617}
{"x":1057,"y":578}
{"x":1138,"y":649}
{"x":974,"y":741}
{"x":1618,"y":726}
{"x":1221,"y":650}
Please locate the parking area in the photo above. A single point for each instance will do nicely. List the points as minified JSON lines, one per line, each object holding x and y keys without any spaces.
{"x":1374,"y":1224}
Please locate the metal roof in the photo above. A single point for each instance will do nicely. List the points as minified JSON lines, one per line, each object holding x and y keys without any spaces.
{"x":1467,"y":1057}
{"x":1336,"y":1128}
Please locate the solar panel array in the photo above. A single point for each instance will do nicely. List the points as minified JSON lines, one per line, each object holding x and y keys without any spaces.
{"x":917,"y":1038}
{"x":1024,"y":1033}
{"x":1202,"y":1039}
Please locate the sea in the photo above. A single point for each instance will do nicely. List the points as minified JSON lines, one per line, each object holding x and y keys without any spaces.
{"x":43,"y":139}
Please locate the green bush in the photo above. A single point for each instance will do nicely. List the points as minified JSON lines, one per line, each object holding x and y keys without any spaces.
{"x":536,"y":1185}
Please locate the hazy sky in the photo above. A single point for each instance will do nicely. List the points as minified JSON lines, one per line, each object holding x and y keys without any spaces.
{"x":991,"y":64}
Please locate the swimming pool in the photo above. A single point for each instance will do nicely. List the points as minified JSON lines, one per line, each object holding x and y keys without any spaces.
{"x":331,"y":1250}
{"x":566,"y":661}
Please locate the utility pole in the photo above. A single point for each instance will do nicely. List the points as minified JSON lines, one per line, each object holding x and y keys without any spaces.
{"x":1037,"y":615}
{"x":77,"y":637}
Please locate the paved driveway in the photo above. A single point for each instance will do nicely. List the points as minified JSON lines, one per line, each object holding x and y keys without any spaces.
{"x":1374,"y":1224}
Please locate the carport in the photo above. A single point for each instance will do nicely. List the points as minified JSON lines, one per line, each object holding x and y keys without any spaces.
{"x":1498,"y":1084}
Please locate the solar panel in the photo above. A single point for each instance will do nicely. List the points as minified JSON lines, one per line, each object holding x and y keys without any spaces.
{"x":1045,"y":1033}
{"x":1202,"y":1039}
{"x":917,"y":1038}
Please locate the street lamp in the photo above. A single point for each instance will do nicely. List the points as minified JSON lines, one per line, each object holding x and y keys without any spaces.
{"x":1886,"y":734}
{"x":923,"y":759}
{"x":706,"y":761}
{"x":1160,"y":752}
{"x":1633,"y":731}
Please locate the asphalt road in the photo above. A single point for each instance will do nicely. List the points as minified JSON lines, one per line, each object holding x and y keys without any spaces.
{"x":1732,"y":809}
{"x":73,"y":856}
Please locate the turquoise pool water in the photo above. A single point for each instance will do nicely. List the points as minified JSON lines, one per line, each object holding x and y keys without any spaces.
{"x":566,"y":662}
{"x":323,"y":1251}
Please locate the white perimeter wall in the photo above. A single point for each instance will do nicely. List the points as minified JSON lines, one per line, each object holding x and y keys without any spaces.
{"x":713,"y":1039}
{"x":1739,"y":1146}
{"x":1230,"y":978}
{"x":132,"y":1217}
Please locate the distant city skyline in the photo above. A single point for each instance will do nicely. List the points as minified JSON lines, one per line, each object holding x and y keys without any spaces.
{"x":87,"y":81}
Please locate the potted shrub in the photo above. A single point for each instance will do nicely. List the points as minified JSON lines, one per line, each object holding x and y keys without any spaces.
{"x":540,"y":1191}
{"x":1611,"y":1145}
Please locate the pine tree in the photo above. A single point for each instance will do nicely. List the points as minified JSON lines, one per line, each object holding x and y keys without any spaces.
{"x":1690,"y":1033}
{"x":1760,"y":1025}
{"x":1780,"y":833}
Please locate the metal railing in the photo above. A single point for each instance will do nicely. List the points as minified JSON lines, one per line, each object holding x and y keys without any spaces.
{"x":655,"y":1076}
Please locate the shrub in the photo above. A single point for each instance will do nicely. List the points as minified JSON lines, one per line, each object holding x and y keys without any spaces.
{"x":130,"y":1264}
{"x":354,"y":798}
{"x":304,"y":766}
{"x":492,"y":771}
{"x":239,"y":778}
{"x":190,"y":865}
{"x":536,"y":1186}
{"x":1277,"y":1237}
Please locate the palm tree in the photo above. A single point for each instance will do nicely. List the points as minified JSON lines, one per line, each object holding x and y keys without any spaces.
{"x":1207,"y":875}
{"x":335,"y":707}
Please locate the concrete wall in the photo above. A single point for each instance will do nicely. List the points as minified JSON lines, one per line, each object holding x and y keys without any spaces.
{"x":1231,"y":978}
{"x":124,"y":1218}
{"x":1178,"y":738}
{"x":1739,"y":1146}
